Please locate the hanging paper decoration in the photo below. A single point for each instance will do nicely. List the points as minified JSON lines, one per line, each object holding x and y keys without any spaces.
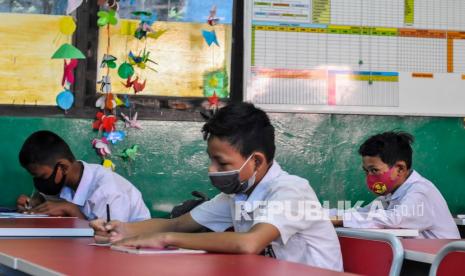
{"x":174,"y":14}
{"x":135,"y":84}
{"x":68,"y":51}
{"x":65,"y":100}
{"x":130,"y":154}
{"x":105,"y":84}
{"x":210,"y":37}
{"x":141,"y":60}
{"x":107,"y":18}
{"x":145,"y":24}
{"x":104,"y":122}
{"x":212,"y":18}
{"x":131,"y":122}
{"x":107,"y":163}
{"x":68,"y":72}
{"x":108,"y":61}
{"x":125,"y":70}
{"x":102,"y":147}
{"x":115,"y":136}
{"x":67,"y":25}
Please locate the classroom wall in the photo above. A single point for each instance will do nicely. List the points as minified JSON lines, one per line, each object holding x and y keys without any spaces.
{"x":321,"y":148}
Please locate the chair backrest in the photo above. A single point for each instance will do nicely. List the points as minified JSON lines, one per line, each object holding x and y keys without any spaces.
{"x":450,"y":260}
{"x":370,"y":253}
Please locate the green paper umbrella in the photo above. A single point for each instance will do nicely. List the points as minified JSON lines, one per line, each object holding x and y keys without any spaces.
{"x":125,"y":70}
{"x":68,"y":51}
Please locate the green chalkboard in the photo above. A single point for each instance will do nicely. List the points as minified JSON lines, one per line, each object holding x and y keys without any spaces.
{"x":320,"y":148}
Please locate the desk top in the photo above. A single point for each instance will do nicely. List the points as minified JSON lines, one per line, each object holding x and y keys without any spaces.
{"x":423,"y":250}
{"x":45,"y":227}
{"x":76,"y":257}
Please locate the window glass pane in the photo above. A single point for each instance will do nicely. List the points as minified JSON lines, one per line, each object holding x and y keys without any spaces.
{"x":29,"y":35}
{"x":184,"y":65}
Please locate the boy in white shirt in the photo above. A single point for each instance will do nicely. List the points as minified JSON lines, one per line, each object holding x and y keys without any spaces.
{"x":85,"y":189}
{"x":258,"y":198}
{"x":406,"y":199}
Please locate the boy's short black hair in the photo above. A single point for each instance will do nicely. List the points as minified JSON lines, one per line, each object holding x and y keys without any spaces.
{"x":44,"y":148}
{"x":245,"y":127}
{"x":390,"y":147}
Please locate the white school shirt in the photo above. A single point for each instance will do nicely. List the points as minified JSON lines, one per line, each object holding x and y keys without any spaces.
{"x":416,"y":204}
{"x":306,"y":241}
{"x":100,"y":186}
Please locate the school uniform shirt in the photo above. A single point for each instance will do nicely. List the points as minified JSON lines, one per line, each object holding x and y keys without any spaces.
{"x":275,"y":200}
{"x":416,"y":204}
{"x":100,"y":186}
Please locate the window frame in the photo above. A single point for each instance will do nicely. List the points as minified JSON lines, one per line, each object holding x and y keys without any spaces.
{"x":148,"y":107}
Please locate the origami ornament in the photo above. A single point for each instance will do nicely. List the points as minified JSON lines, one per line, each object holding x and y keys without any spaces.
{"x":104,"y":122}
{"x":145,"y":25}
{"x":131,"y":123}
{"x":210,"y":37}
{"x":68,"y":71}
{"x":67,"y":25}
{"x":212,"y":18}
{"x":213,"y":100}
{"x":65,"y":100}
{"x":105,"y":84}
{"x":114,"y":136}
{"x":68,"y":51}
{"x":108,"y":61}
{"x":141,"y":60}
{"x":107,"y":163}
{"x":130,"y":154}
{"x":101,"y":146}
{"x":125,"y":70}
{"x":107,"y":17}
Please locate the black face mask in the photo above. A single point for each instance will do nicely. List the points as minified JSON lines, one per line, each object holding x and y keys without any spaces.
{"x":48,"y":186}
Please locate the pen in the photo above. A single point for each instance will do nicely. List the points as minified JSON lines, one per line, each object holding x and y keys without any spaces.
{"x":108,"y":213}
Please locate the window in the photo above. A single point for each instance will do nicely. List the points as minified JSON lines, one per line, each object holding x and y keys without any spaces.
{"x":185,"y":70}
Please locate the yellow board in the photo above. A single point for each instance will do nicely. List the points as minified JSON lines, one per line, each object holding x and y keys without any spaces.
{"x":182,"y":55}
{"x":28,"y":74}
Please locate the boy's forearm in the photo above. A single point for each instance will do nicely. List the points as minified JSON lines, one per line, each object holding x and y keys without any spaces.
{"x":227,"y":242}
{"x":184,"y":223}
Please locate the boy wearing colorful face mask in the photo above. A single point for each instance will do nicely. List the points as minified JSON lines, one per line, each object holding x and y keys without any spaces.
{"x":258,"y":199}
{"x":78,"y":189}
{"x":406,"y":199}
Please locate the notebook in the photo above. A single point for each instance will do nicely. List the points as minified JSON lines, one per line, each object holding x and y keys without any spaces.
{"x":148,"y":250}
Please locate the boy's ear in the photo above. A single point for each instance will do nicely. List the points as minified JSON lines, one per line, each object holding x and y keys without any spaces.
{"x":259,"y":159}
{"x":64,"y":164}
{"x":401,"y":166}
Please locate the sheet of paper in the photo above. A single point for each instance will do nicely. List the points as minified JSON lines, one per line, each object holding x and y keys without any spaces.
{"x":146,"y":250}
{"x":21,"y":215}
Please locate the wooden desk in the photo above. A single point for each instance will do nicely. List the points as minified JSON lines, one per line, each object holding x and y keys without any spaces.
{"x":423,"y":250}
{"x":45,"y":227}
{"x":76,"y":257}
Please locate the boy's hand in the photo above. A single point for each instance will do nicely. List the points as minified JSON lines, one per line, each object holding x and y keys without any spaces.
{"x":110,"y":232}
{"x":21,"y":202}
{"x":154,"y":240}
{"x":337,"y":222}
{"x":58,"y":209}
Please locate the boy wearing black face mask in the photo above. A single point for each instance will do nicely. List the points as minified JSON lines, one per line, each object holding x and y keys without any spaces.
{"x":264,"y":204}
{"x":80,"y":189}
{"x":405,"y":198}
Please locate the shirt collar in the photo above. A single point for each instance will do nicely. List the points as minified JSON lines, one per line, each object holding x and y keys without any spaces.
{"x":80,"y":196}
{"x":261,"y":188}
{"x":402,"y":190}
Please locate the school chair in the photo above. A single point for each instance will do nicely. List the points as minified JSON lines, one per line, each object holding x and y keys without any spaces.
{"x":370,"y":253}
{"x":450,"y":260}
